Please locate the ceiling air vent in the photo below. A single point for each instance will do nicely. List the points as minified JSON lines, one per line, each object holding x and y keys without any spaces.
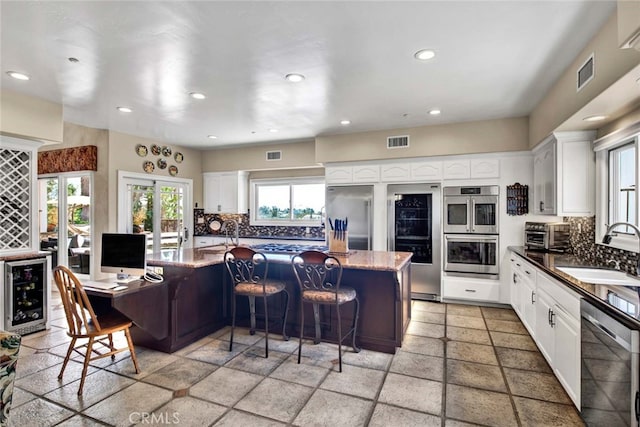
{"x":585,"y":73}
{"x":401,"y":141}
{"x":274,"y":155}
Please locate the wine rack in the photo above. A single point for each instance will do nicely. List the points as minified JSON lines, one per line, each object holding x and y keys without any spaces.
{"x":26,"y":295}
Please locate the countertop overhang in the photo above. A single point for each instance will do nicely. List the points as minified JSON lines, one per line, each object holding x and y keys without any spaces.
{"x":548,"y":261}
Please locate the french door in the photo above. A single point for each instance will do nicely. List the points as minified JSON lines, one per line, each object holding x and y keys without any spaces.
{"x":159,"y":208}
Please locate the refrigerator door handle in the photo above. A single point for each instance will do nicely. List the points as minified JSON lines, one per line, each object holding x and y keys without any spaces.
{"x":391,"y":232}
{"x":367,"y":207}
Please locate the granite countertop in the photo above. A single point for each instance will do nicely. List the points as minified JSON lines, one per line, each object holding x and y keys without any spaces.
{"x":25,"y":255}
{"x":594,"y":293}
{"x":202,"y":257}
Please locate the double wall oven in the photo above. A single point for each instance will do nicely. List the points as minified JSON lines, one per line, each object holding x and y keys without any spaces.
{"x":471,"y":231}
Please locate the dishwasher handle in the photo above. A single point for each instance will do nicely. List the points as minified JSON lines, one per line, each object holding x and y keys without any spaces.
{"x":621,"y":341}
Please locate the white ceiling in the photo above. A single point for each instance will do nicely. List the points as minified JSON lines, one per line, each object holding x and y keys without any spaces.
{"x":494,"y":59}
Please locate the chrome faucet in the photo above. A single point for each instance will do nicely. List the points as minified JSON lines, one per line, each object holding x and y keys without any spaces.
{"x":225,"y":227}
{"x":610,"y":233}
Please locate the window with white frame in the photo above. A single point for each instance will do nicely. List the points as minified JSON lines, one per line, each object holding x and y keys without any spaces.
{"x":287,"y":201}
{"x":617,"y":165}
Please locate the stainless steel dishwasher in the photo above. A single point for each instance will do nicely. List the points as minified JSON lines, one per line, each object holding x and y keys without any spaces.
{"x":610,"y":370}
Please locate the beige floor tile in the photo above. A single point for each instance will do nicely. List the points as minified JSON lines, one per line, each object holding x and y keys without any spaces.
{"x":225,"y":386}
{"x":20,"y":397}
{"x":326,"y":408}
{"x":293,"y":372}
{"x":79,"y":421}
{"x":536,"y":386}
{"x":356,"y":381}
{"x":471,"y":352}
{"x":536,"y":413}
{"x":187,"y":411}
{"x":322,"y":354}
{"x":51,"y":338}
{"x":476,"y":375}
{"x":385,"y":416}
{"x":423,"y":345}
{"x":431,"y":307}
{"x":368,"y":359}
{"x":28,"y":364}
{"x":237,"y":418}
{"x":242,"y":336}
{"x":47,"y":380}
{"x":125,"y":406}
{"x":423,"y":329}
{"x":477,"y":336}
{"x":499,"y":313}
{"x":278,"y":344}
{"x":465,"y":321}
{"x":38,"y":413}
{"x":418,"y":365}
{"x":412,"y":393}
{"x":217,"y":352}
{"x":276,"y":399}
{"x":253,"y":360}
{"x":479,"y":406}
{"x":148,"y":361}
{"x":521,"y":342}
{"x":181,"y":374}
{"x":97,"y":387}
{"x":506,"y":326}
{"x":521,"y":359}
{"x":455,"y":423}
{"x":464,"y":310}
{"x":428,"y":317}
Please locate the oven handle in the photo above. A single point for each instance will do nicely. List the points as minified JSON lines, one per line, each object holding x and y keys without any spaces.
{"x":470,"y":237}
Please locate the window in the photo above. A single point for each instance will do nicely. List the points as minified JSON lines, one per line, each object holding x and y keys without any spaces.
{"x":289,"y":201}
{"x":617,"y":162}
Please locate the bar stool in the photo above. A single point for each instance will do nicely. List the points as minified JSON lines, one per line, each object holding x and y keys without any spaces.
{"x":248,"y":270}
{"x":319,"y":276}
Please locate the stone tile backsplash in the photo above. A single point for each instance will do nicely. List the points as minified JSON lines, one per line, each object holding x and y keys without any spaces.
{"x":202,"y":228}
{"x":582,"y":237}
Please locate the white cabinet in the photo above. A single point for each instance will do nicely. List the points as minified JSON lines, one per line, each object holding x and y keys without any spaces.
{"x":564,"y":175}
{"x":366,"y":173}
{"x":202,"y":241}
{"x":225,"y":192}
{"x":544,"y":330}
{"x":567,"y":352}
{"x":523,"y":291}
{"x":430,"y":170}
{"x":353,"y":173}
{"x":391,"y":172}
{"x":465,"y":288}
{"x":456,"y":169}
{"x":485,"y":168}
{"x":18,"y":191}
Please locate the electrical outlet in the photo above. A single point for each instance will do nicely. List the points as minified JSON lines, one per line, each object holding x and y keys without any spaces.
{"x":158,"y":270}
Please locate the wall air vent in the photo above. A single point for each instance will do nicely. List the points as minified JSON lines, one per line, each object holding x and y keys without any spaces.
{"x":274,"y":155}
{"x":401,"y":141}
{"x":585,"y":73}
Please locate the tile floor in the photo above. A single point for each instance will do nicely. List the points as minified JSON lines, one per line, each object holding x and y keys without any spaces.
{"x":459,"y":365}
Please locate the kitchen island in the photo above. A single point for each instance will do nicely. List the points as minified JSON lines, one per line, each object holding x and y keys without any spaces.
{"x":195,"y":299}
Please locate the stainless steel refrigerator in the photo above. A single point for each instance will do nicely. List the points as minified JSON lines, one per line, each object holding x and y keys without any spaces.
{"x":352,"y":202}
{"x":414,"y":226}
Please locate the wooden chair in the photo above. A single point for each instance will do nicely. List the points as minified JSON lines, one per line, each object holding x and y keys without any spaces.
{"x":319,"y":276}
{"x":248,"y":270}
{"x":83,"y":323}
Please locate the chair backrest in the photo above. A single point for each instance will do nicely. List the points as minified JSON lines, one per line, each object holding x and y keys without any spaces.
{"x":77,"y":307}
{"x":317,"y":271}
{"x":246,"y":265}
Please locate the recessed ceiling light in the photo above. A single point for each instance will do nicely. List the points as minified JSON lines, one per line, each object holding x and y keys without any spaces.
{"x":212,"y":137}
{"x":596,"y":118}
{"x":273,"y":130}
{"x":197,"y":95}
{"x":434,"y":112}
{"x":18,"y":76}
{"x":345,"y":122}
{"x":424,"y":54}
{"x":294,"y":77}
{"x":125,"y":109}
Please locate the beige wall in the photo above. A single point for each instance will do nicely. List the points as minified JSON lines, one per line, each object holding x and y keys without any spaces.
{"x":286,"y":173}
{"x":621,"y":123}
{"x":457,"y":138}
{"x":294,"y":155}
{"x":31,"y":118}
{"x":123,"y":157}
{"x":562,"y":100}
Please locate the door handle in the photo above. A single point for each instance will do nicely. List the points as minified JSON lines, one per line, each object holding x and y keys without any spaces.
{"x":541,"y":205}
{"x":533,"y":297}
{"x":186,"y":233}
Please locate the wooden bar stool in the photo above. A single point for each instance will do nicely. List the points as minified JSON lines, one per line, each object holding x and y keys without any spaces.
{"x":248,"y":270}
{"x":319,"y":277}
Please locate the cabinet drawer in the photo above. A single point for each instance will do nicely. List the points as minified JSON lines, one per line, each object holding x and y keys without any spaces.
{"x":469,"y":289}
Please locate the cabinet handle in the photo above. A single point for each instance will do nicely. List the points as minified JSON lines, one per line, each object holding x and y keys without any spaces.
{"x":515,"y":278}
{"x":549,"y":316}
{"x":533,"y":297}
{"x":219,"y":208}
{"x":551,"y":322}
{"x":528,"y":272}
{"x":517,"y":264}
{"x":470,"y":290}
{"x":541,"y":206}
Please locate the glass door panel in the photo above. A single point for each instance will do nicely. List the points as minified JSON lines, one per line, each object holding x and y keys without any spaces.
{"x":141,"y":202}
{"x":78,"y":201}
{"x":172,"y":216}
{"x":48,"y":217}
{"x":414,"y":227}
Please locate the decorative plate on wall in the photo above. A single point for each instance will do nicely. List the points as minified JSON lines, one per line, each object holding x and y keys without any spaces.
{"x":166,"y":151}
{"x":155,"y":150}
{"x":162,"y":164}
{"x":141,"y":150}
{"x":179,"y":157}
{"x":148,"y":166}
{"x":215,"y":225}
{"x":173,"y":170}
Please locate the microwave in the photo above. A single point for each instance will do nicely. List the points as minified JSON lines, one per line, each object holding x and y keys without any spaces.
{"x":547,"y":236}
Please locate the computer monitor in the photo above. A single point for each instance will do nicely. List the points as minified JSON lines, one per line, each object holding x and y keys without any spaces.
{"x":124,"y":254}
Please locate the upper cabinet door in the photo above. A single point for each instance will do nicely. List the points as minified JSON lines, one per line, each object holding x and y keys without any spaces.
{"x":366,"y":173}
{"x":338,"y":174}
{"x":485,"y":168}
{"x":395,"y":172}
{"x":457,"y":169}
{"x":431,"y":170}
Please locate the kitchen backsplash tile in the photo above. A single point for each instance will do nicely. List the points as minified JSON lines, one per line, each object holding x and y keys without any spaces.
{"x":582,"y":235}
{"x":201,"y":228}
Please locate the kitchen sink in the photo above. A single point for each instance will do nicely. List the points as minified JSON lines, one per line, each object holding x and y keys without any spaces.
{"x":601,"y":276}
